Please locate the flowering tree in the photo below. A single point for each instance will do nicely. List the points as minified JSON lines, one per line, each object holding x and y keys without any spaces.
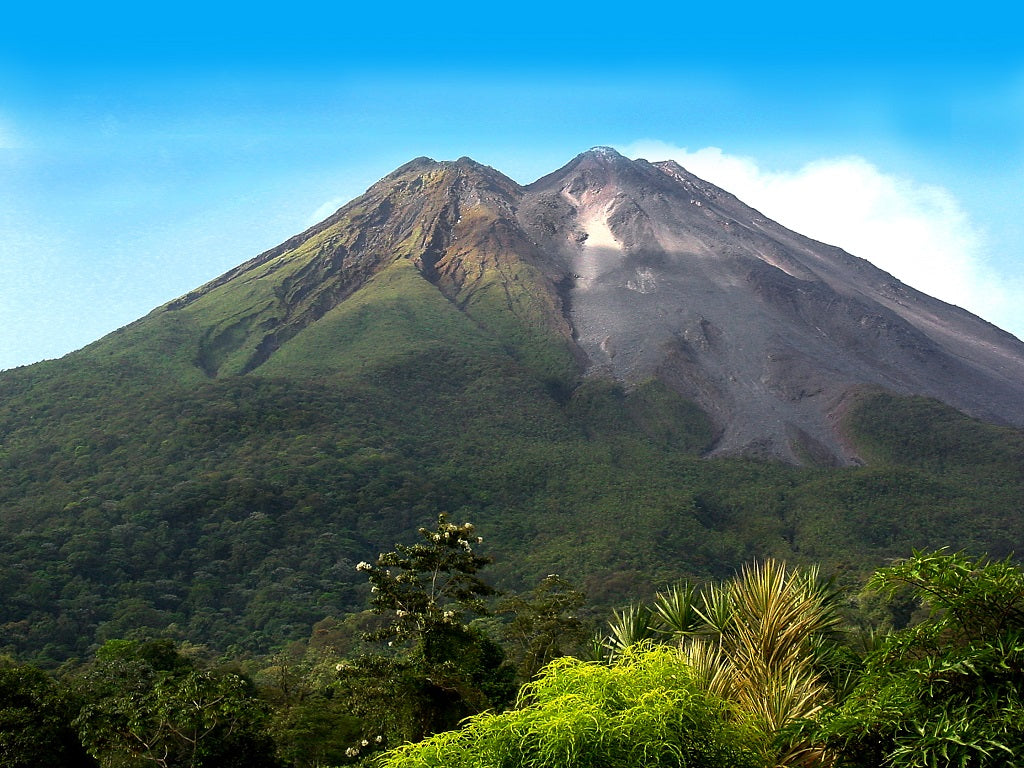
{"x":438,"y":669}
{"x":429,"y":587}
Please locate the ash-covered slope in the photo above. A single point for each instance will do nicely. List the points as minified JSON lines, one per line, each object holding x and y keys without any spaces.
{"x":767,"y":330}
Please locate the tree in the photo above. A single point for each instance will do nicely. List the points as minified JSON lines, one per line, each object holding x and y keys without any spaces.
{"x":35,"y":721}
{"x":428,"y":588}
{"x":948,"y":690}
{"x":146,"y":704}
{"x":311,"y":726}
{"x":543,"y":626}
{"x":438,"y":669}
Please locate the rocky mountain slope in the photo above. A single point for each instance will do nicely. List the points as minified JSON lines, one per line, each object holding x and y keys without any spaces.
{"x":630,"y":270}
{"x":767,"y":330}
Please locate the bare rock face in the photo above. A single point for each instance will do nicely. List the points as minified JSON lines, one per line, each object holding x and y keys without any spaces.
{"x":643,"y":271}
{"x":767,"y":330}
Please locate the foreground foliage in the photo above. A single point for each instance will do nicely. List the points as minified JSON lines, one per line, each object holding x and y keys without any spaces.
{"x":760,"y":641}
{"x":752,"y":671}
{"x":945,"y":691}
{"x":646,"y":709}
{"x":948,"y":691}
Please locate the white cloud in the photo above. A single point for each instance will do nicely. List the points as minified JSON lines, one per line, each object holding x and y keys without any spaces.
{"x":918,"y":232}
{"x":325,"y":210}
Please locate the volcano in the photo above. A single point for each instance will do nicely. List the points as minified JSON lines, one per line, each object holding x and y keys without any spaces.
{"x":632,"y":271}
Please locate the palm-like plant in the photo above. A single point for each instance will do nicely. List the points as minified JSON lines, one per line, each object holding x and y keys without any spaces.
{"x":628,"y":627}
{"x":771,"y":648}
{"x":711,"y":668}
{"x":778,"y":613}
{"x":757,"y":640}
{"x":716,"y":610}
{"x":675,"y":611}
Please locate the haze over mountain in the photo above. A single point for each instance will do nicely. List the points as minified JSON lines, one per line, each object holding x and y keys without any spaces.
{"x":620,"y":373}
{"x":634,"y":270}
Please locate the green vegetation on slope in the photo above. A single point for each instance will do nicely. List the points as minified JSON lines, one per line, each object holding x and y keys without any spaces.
{"x":137,"y":492}
{"x":755,"y":671}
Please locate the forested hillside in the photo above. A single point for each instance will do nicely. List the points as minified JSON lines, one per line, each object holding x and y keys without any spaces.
{"x":232,"y":513}
{"x":775,"y":666}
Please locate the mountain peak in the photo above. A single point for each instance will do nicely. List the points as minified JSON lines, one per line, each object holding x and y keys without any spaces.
{"x":416,"y":164}
{"x":606,"y":153}
{"x":598,"y":168}
{"x":604,"y":157}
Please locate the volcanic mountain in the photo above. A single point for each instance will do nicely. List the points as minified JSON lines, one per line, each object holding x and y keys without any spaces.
{"x":619,"y":373}
{"x":629,"y":270}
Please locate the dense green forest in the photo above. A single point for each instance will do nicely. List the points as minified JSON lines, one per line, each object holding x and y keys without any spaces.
{"x":776,"y":666}
{"x":231,"y":513}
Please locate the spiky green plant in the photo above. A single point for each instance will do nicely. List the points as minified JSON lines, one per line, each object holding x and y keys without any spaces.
{"x":716,"y":609}
{"x":758,"y":640}
{"x":710,"y":667}
{"x":777,"y":615}
{"x":628,"y":627}
{"x":675,"y":610}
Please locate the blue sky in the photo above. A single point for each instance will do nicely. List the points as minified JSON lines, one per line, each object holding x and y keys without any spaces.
{"x":145,"y":150}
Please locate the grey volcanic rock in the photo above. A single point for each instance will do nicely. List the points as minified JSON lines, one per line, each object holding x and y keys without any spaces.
{"x":769,"y":331}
